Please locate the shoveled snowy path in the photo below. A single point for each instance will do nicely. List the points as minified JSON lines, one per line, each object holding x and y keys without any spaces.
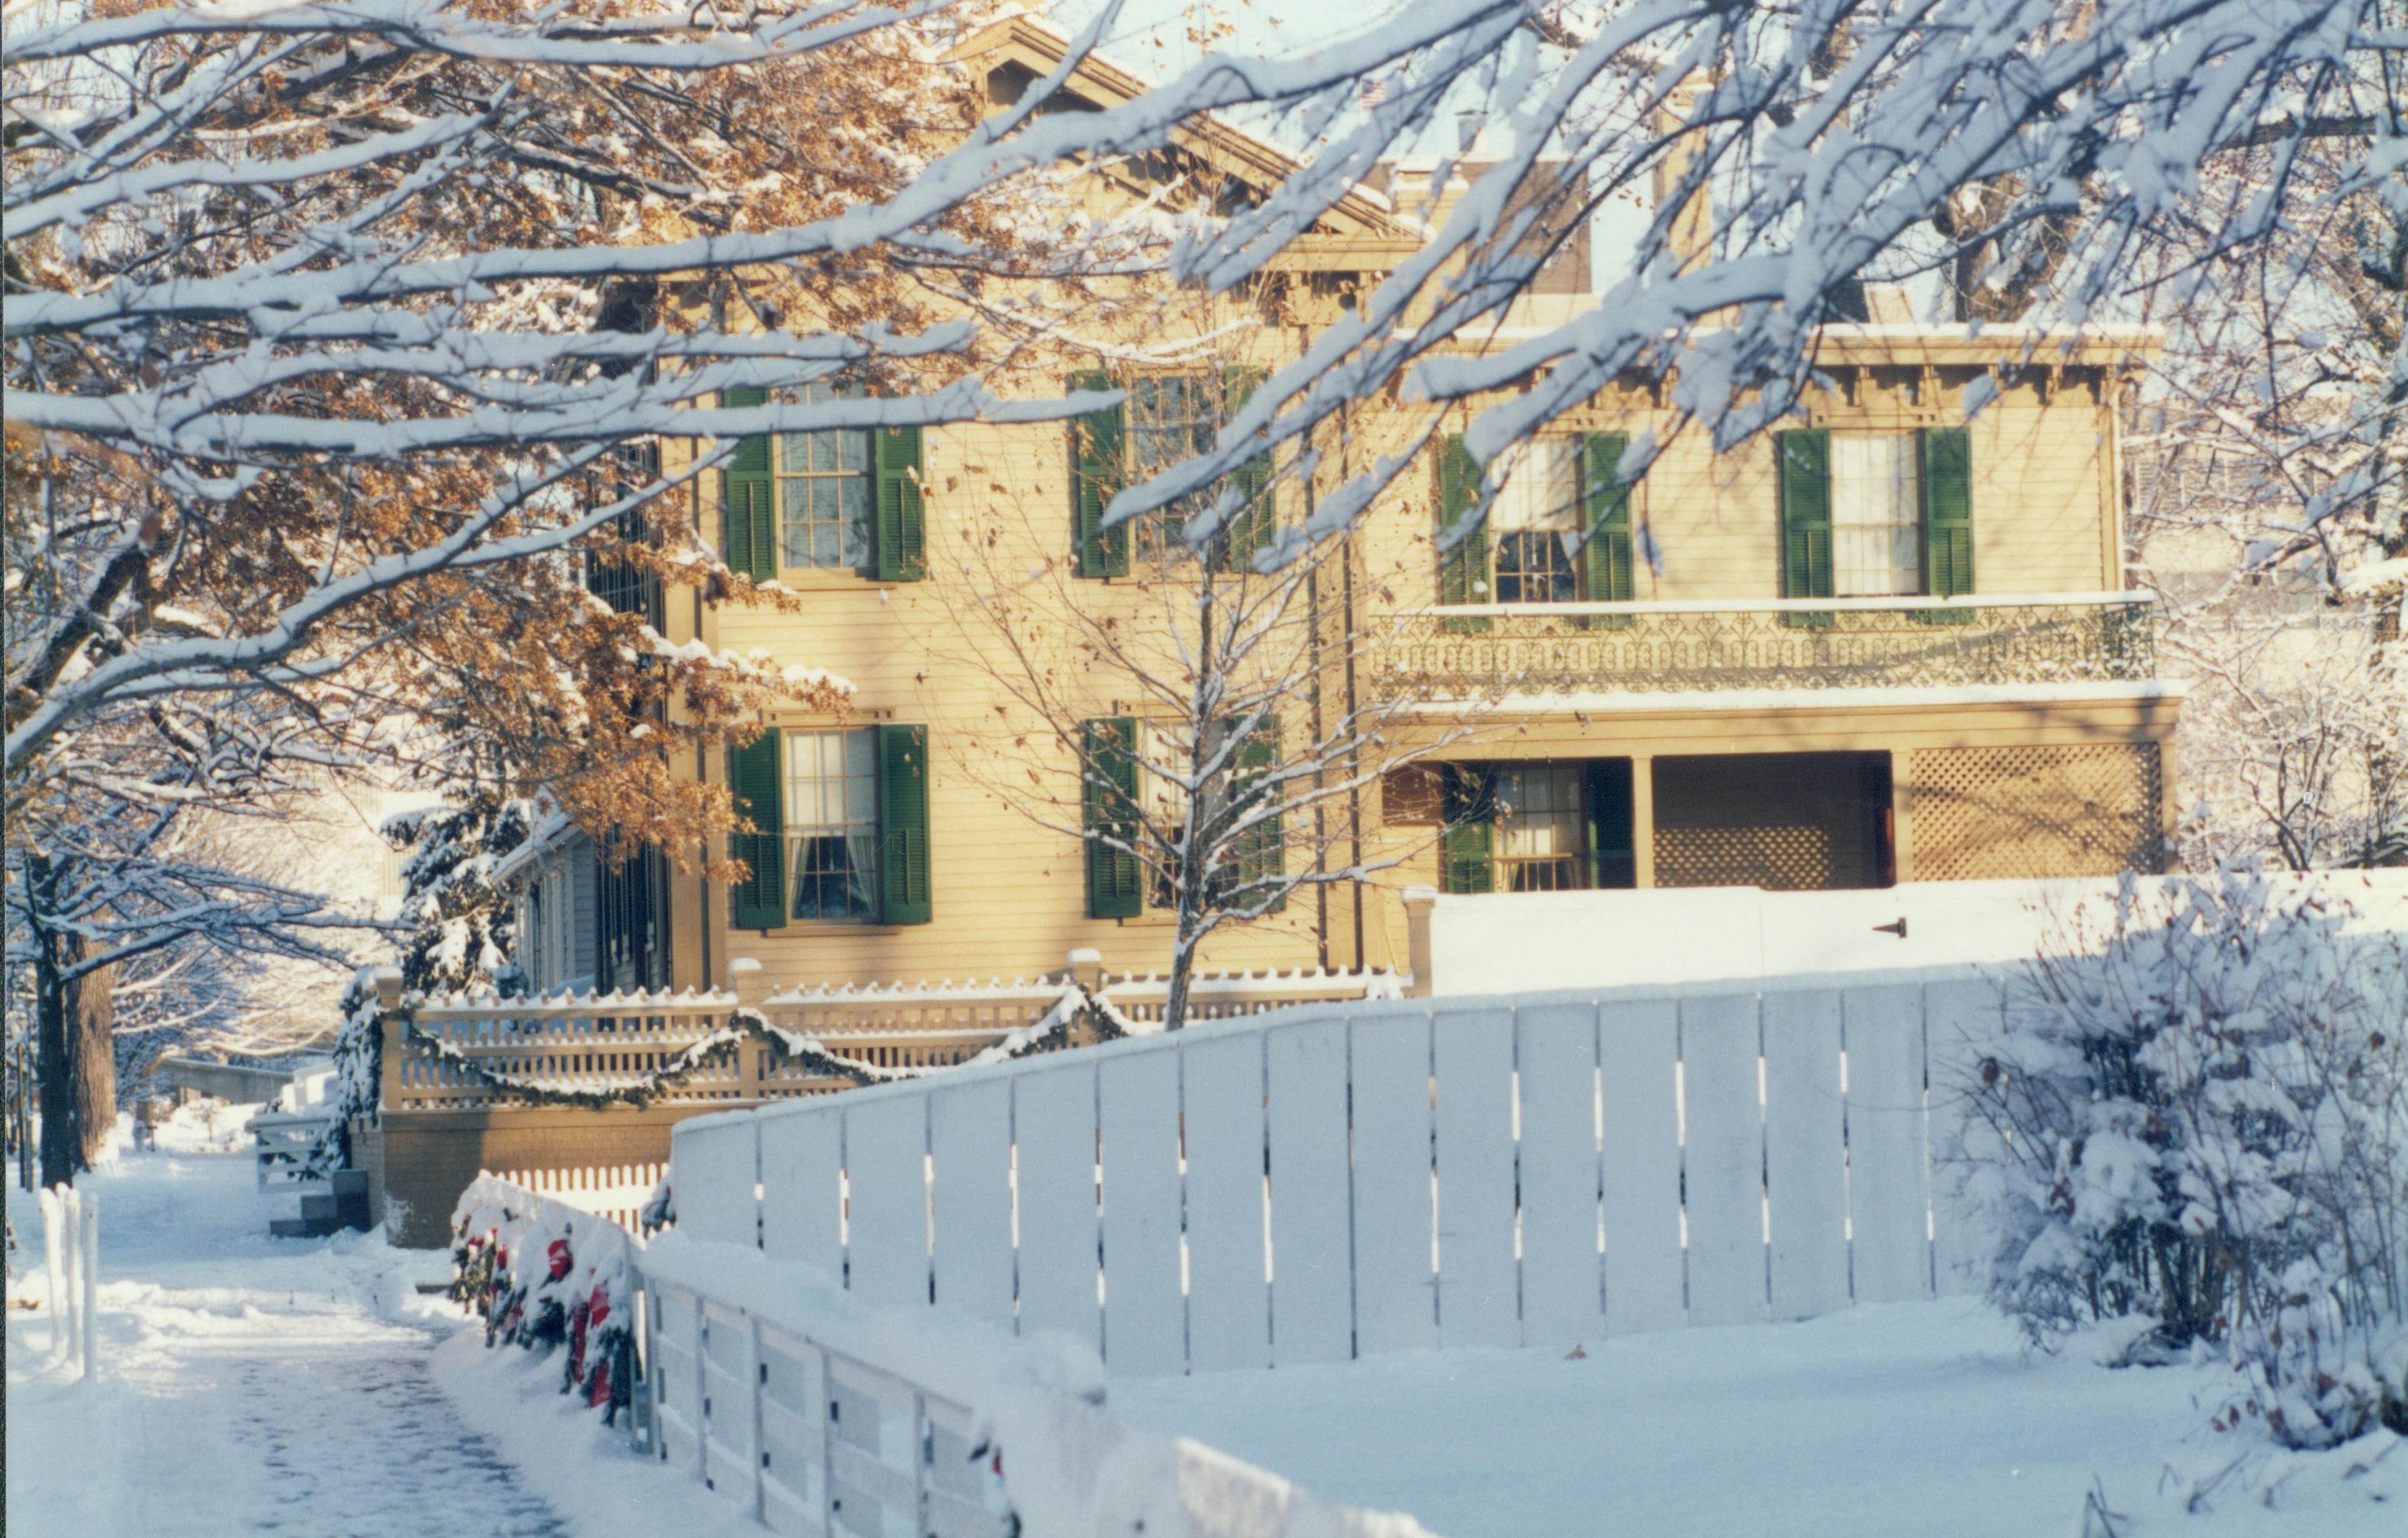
{"x":246,"y":1385}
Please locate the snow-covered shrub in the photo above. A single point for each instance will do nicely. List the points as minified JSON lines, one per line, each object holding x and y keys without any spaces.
{"x":543,"y":1273}
{"x":463,"y":925}
{"x":2198,"y":1113}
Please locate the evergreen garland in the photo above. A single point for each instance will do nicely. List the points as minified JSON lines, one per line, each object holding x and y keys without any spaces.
{"x":742,"y":1024}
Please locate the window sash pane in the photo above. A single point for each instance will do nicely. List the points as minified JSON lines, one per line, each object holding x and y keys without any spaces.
{"x":832,"y":825}
{"x":1542,"y":832}
{"x":824,"y":494}
{"x":1876,"y":515}
{"x":1542,"y":488}
{"x":1171,"y":418}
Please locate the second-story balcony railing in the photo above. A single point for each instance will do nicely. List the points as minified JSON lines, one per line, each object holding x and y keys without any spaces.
{"x":1485,"y":652}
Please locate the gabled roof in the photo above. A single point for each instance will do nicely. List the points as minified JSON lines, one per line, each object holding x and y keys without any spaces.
{"x":1360,"y":231}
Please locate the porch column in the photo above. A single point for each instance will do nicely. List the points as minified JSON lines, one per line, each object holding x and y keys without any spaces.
{"x":1902,"y":817}
{"x":1642,"y":822}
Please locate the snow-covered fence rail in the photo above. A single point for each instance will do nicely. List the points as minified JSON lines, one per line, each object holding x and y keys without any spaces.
{"x":1326,"y":1183}
{"x":617,"y":1192}
{"x":817,"y":1416}
{"x":815,"y":1413}
{"x":285,"y":1139}
{"x":476,"y":1052}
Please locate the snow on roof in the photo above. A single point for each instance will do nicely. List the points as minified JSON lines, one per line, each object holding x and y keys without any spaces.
{"x":551,"y":830}
{"x":1145,"y":81}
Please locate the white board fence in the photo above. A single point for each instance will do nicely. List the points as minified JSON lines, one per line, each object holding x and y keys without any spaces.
{"x":1334,"y":1182}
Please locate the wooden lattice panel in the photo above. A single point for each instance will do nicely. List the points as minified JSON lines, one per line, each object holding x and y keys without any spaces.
{"x":1793,"y":821}
{"x":2006,"y":814}
{"x":1779,"y":859}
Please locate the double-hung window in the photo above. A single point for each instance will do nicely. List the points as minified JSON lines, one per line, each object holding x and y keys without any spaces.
{"x":838,"y":826}
{"x":1136,"y":819}
{"x":828,"y":499}
{"x":824,"y":494}
{"x":1538,"y":524}
{"x":1164,"y":420}
{"x":1535,"y":826}
{"x":832,"y":825}
{"x":1876,"y":515}
{"x":1558,"y":530}
{"x":1171,"y":418}
{"x":1543,"y":828}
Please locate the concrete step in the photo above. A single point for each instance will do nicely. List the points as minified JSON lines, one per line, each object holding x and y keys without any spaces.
{"x":303,"y":1227}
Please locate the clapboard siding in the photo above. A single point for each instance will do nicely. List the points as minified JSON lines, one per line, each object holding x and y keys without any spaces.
{"x":1008,"y":878}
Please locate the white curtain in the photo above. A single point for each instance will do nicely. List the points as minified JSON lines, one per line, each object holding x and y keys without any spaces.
{"x":1876,"y":515}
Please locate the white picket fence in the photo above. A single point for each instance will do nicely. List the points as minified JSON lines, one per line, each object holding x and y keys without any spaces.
{"x":1334,"y":1182}
{"x":810,"y":1440}
{"x":617,"y":1191}
{"x":818,"y":1417}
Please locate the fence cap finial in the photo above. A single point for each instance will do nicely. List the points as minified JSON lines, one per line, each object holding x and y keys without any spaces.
{"x":388,"y":987}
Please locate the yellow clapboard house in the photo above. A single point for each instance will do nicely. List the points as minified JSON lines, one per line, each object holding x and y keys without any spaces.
{"x":1884,"y":644}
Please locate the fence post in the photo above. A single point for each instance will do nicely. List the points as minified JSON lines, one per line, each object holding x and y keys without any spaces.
{"x":54,"y":1241}
{"x":88,"y":1226}
{"x":397,"y":1042}
{"x":752,"y":1384}
{"x":1421,"y":903}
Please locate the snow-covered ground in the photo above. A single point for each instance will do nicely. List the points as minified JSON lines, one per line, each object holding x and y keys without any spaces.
{"x":251,"y":1385}
{"x":245,"y":1384}
{"x":1895,"y":1421}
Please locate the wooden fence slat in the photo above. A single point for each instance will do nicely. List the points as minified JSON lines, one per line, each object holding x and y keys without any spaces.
{"x":1137,"y":1094}
{"x":886,"y":1231}
{"x":1228,"y":1306}
{"x":802,"y":1174}
{"x":969,"y":1138}
{"x":1963,"y":1021}
{"x":1887,"y":1199}
{"x":1313,"y":1262}
{"x":1054,"y":1123}
{"x":1805,"y":1153}
{"x":717,"y":1167}
{"x":1395,"y":1295}
{"x":1723,"y":1163}
{"x":1479,"y":1279}
{"x":1562,"y":1280}
{"x":1638,"y":1051}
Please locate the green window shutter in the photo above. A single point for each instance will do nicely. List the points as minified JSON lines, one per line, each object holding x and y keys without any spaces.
{"x":1262,"y":852}
{"x":1108,"y":795}
{"x":1256,"y":524}
{"x":748,"y":497}
{"x":902,"y":520}
{"x":1097,"y":472}
{"x":1607,"y":506}
{"x":1947,"y":511}
{"x":1467,"y":845}
{"x":1805,"y":459}
{"x":1462,"y":570}
{"x":903,"y":826}
{"x":753,"y":778}
{"x":1613,"y":860}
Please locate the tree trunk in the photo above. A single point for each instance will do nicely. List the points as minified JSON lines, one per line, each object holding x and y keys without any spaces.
{"x":92,"y":1038}
{"x":53,"y":1074}
{"x":74,"y":1045}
